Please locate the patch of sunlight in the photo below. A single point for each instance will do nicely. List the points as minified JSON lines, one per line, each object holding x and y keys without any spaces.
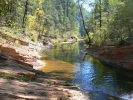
{"x":127,"y":96}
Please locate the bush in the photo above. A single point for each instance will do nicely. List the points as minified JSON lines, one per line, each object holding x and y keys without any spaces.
{"x":33,"y":38}
{"x":55,"y":43}
{"x":16,"y":42}
{"x":119,"y":43}
{"x":65,"y":40}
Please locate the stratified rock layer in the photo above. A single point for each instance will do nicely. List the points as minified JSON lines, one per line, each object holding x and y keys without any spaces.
{"x":117,"y":57}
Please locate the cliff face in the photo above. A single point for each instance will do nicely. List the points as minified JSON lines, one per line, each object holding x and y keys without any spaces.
{"x":117,"y":57}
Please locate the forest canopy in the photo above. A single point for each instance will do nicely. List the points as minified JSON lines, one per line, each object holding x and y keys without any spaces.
{"x":111,"y":22}
{"x":42,"y":17}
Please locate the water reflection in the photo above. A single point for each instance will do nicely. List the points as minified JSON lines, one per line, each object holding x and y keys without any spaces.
{"x":66,"y":52}
{"x":60,"y":61}
{"x":101,"y":82}
{"x":58,"y":69}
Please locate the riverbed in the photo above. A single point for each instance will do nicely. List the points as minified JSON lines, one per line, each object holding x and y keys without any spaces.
{"x":99,"y":82}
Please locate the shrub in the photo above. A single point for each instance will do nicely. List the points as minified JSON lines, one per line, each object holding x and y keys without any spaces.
{"x":65,"y":40}
{"x":33,"y":38}
{"x":16,"y":42}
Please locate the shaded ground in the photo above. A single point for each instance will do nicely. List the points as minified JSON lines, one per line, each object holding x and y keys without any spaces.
{"x":117,"y":57}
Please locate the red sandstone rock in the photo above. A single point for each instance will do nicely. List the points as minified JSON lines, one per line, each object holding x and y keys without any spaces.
{"x":21,"y":54}
{"x":120,"y":57}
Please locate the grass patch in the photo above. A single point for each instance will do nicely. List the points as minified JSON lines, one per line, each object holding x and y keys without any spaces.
{"x":6,"y":75}
{"x":11,"y":76}
{"x":24,"y":78}
{"x":48,"y":83}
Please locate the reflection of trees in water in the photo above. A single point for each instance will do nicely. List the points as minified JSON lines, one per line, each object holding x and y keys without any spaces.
{"x":66,"y":52}
{"x":114,"y":81}
{"x":92,"y":72}
{"x":67,"y":49}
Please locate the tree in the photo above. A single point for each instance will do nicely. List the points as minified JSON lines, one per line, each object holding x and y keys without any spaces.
{"x":44,"y":17}
{"x":83,"y":21}
{"x":111,"y":21}
{"x":24,"y":17}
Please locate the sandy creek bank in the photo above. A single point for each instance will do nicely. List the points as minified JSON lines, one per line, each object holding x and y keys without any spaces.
{"x":18,"y":79}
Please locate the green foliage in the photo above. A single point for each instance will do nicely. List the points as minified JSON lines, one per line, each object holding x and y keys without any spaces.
{"x":117,"y":43}
{"x":65,"y":40}
{"x":24,"y":78}
{"x":47,"y":17}
{"x":6,"y":75}
{"x":111,"y":20}
{"x":9,"y":76}
{"x":2,"y":40}
{"x":31,"y":22}
{"x":55,"y":42}
{"x":33,"y":38}
{"x":48,"y":83}
{"x":16,"y":42}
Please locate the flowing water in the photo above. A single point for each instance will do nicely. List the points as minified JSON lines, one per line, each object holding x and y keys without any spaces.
{"x":100,"y":82}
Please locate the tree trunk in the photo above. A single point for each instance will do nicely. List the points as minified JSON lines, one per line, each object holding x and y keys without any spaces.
{"x":100,"y":15}
{"x":25,"y":13}
{"x":86,"y":32}
{"x":67,"y":8}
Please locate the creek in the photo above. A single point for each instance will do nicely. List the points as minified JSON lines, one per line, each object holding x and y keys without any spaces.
{"x":99,"y":82}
